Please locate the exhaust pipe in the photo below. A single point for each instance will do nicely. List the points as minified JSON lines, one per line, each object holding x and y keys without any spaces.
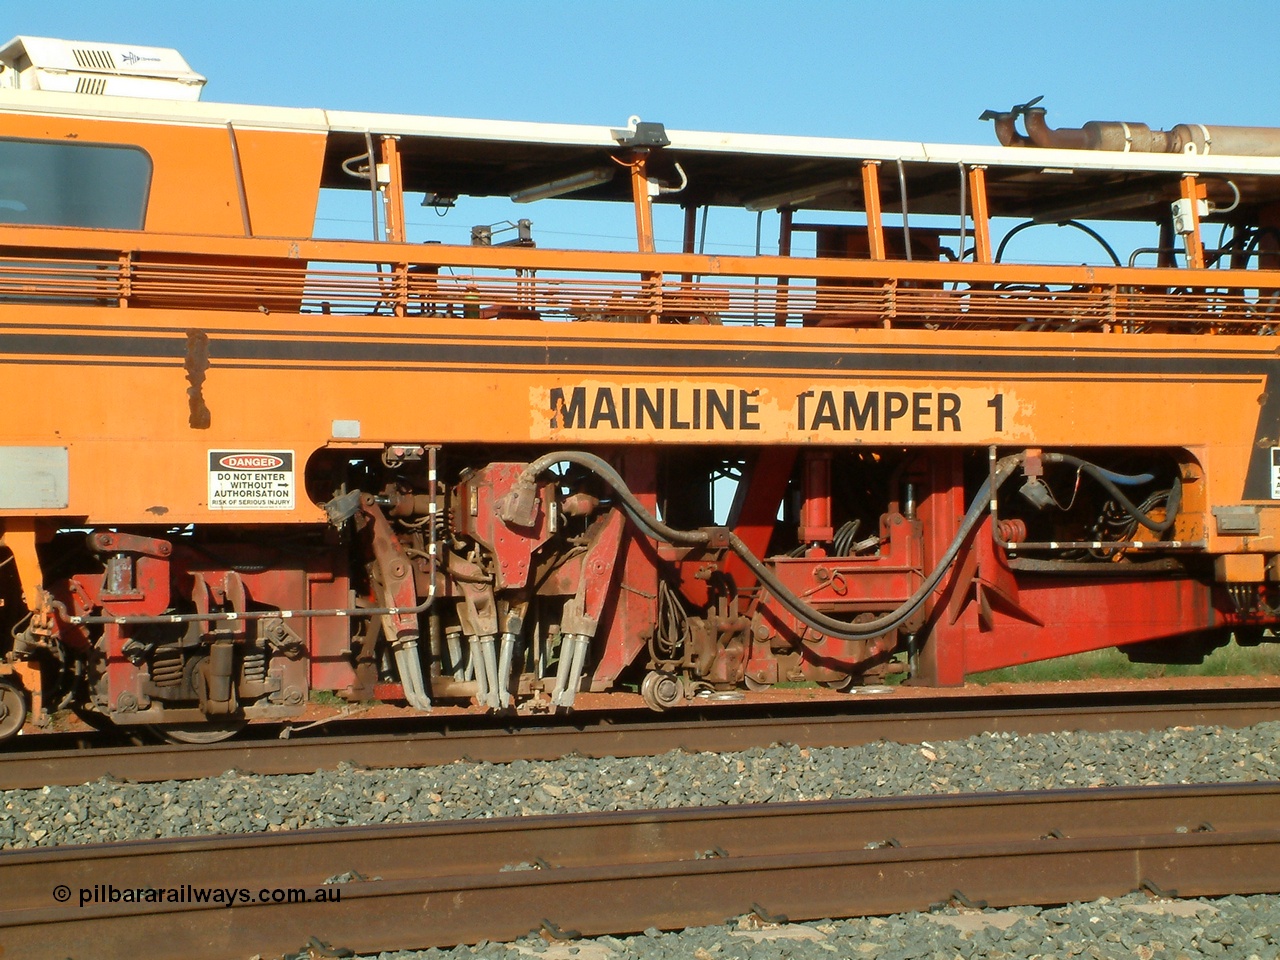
{"x":1193,"y":139}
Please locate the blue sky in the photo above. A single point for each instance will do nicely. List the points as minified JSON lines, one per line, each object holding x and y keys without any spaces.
{"x":904,"y":70}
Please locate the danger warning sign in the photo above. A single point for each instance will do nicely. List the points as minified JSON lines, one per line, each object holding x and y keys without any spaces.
{"x":251,"y":480}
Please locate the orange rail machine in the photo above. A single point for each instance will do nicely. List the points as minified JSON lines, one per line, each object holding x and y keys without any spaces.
{"x":243,"y":463}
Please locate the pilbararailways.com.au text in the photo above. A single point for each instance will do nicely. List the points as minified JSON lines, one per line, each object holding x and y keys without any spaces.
{"x":102,"y":893}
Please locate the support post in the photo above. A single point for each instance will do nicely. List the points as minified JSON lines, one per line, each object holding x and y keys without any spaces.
{"x":1193,"y":193}
{"x":690,"y":235}
{"x":644,"y":227}
{"x":871,"y":200}
{"x":784,"y":250}
{"x":644,"y":206}
{"x":21,"y":535}
{"x":393,"y":191}
{"x":981,"y":215}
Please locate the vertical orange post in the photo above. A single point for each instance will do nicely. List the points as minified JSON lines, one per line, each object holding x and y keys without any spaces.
{"x":393,"y":192}
{"x":644,"y":208}
{"x":20,"y":535}
{"x":1194,"y":192}
{"x":871,"y":200}
{"x":644,"y":227}
{"x":125,"y":281}
{"x":981,"y":215}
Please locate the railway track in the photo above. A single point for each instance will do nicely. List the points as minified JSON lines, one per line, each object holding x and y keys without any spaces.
{"x":724,"y":728}
{"x":437,"y":884}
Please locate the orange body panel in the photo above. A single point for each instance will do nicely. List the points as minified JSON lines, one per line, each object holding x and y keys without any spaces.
{"x":1063,"y":389}
{"x":193,"y":185}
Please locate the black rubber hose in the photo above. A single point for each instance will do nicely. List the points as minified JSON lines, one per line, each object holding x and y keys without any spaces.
{"x":802,"y":611}
{"x":633,"y":507}
{"x":1099,"y":474}
{"x":1063,"y":223}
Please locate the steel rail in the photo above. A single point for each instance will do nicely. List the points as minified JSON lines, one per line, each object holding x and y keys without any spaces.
{"x":423,"y":742}
{"x":443,"y":883}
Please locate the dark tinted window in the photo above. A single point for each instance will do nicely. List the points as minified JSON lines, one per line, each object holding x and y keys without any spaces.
{"x":68,"y":184}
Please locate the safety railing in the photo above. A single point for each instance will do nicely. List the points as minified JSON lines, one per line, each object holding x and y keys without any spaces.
{"x":817,"y":293}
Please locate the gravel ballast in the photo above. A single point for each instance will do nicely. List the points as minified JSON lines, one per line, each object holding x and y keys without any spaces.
{"x":1138,"y":927}
{"x":108,"y":811}
{"x":1132,"y":928}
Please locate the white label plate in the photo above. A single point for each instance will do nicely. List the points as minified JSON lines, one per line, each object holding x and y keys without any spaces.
{"x":251,"y":480}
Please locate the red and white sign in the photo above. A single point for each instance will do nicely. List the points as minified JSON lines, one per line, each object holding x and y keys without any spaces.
{"x":251,"y":461}
{"x":251,"y":480}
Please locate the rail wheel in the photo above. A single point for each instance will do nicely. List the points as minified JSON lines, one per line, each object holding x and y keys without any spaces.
{"x":215,"y":731}
{"x":209,"y":731}
{"x":661,"y":690}
{"x":755,"y":685}
{"x":13,"y":710}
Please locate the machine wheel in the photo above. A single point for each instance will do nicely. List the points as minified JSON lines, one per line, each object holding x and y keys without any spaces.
{"x":13,"y":710}
{"x":844,"y":683}
{"x":213,"y":732}
{"x":755,"y":685}
{"x":661,"y":691}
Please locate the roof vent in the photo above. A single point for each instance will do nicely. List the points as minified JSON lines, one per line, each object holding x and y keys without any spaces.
{"x":94,"y":85}
{"x":99,"y":69}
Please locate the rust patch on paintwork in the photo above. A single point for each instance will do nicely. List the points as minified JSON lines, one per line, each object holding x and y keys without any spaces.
{"x":197,"y":363}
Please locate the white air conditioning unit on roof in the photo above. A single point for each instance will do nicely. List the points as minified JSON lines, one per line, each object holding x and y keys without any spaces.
{"x":110,"y":69}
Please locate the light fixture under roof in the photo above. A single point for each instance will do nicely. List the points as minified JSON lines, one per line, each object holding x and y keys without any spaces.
{"x":565,"y":185}
{"x":799,"y":195}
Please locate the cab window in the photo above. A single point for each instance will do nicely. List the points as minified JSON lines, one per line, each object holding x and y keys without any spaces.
{"x":69,"y":184}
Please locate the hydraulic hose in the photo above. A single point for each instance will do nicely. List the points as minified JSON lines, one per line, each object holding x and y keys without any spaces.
{"x":1064,"y":223}
{"x":1127,"y":479}
{"x":802,"y":611}
{"x":1109,"y":482}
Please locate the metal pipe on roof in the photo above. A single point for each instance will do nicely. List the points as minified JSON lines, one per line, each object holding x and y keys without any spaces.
{"x":906,"y":222}
{"x":1194,"y":139}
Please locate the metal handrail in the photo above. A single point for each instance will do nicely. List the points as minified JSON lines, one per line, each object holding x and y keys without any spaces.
{"x":812,"y":293}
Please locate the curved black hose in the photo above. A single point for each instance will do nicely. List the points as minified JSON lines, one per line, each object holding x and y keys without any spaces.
{"x":805,"y":613}
{"x":1127,"y":479}
{"x":1256,"y":236}
{"x":1104,"y":477}
{"x":1064,"y":223}
{"x":632,"y":506}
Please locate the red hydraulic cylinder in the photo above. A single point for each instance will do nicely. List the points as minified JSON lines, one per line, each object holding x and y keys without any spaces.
{"x":815,"y":510}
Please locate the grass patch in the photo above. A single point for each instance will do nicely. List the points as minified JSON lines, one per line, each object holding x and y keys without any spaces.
{"x":327,"y":698}
{"x":1111,"y":664}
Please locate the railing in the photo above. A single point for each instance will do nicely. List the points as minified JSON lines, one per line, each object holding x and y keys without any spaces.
{"x":562,"y":286}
